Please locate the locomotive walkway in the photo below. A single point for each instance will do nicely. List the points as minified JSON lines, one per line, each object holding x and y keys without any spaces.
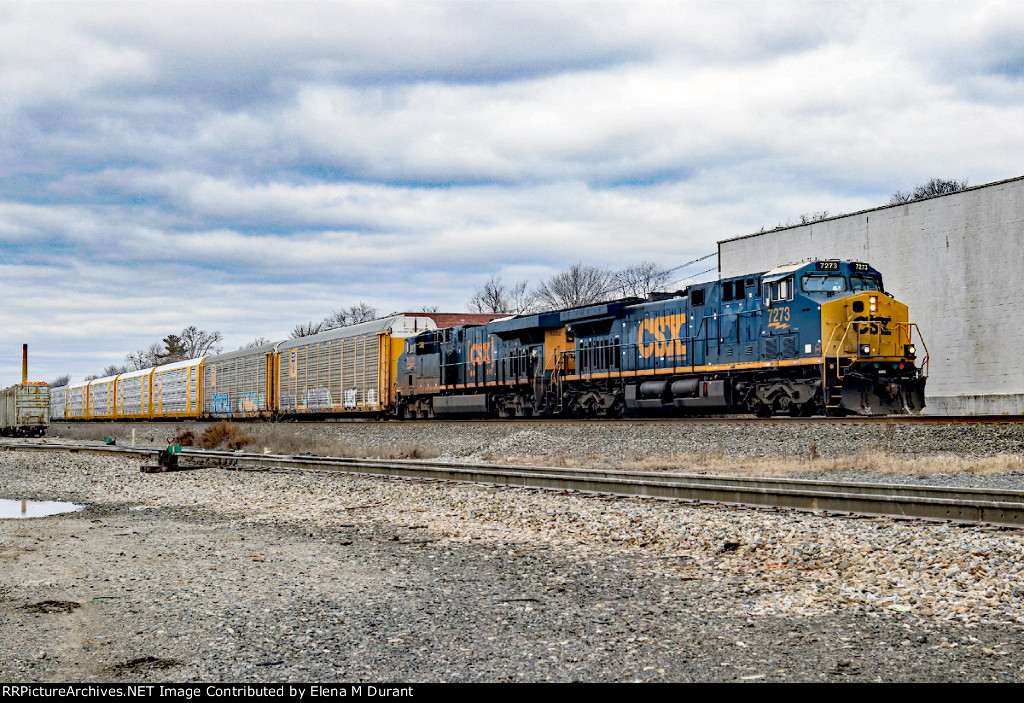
{"x":961,"y":505}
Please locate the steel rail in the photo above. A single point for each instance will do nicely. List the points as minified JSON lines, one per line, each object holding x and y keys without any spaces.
{"x":968,"y":505}
{"x":648,"y":420}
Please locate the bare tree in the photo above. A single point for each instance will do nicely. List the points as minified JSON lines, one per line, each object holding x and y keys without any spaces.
{"x":145,"y":358}
{"x":352,"y":315}
{"x":192,"y":343}
{"x":258,"y":342}
{"x":430,"y":308}
{"x":640,"y":279}
{"x":495,"y":297}
{"x":580,"y":284}
{"x":61,"y":381}
{"x":196,"y":342}
{"x":310,"y":328}
{"x":935,"y":186}
{"x":113,"y":370}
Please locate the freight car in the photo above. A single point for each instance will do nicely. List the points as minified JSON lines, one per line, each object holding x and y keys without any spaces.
{"x":819,"y":337}
{"x":25,"y":410}
{"x":344,"y":371}
{"x":25,"y":407}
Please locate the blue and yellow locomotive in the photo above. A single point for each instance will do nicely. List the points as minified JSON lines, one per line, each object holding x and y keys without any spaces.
{"x":819,"y":337}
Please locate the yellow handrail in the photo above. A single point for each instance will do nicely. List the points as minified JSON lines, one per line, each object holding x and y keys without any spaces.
{"x":911,"y":326}
{"x":839,"y":347}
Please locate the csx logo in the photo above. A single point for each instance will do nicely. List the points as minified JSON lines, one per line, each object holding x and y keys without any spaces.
{"x":480,"y":353}
{"x":666,"y":332}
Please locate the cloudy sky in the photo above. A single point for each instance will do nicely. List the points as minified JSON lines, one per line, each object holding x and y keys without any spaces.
{"x":249,"y":166}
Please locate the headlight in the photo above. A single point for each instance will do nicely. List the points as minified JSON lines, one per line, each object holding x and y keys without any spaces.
{"x":864,"y":350}
{"x":910,"y":351}
{"x":873,"y":303}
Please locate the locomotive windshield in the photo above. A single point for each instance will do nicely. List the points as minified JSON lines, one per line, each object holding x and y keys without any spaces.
{"x":859,"y":283}
{"x":819,"y":283}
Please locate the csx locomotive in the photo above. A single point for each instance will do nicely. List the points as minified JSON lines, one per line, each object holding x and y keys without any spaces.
{"x":819,"y":337}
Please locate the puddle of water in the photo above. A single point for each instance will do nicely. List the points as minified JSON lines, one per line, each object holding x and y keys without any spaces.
{"x":34,"y":508}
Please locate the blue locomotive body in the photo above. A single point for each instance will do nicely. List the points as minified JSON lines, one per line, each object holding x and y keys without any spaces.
{"x":819,"y":337}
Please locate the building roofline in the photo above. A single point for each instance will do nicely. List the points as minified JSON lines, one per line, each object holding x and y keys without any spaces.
{"x":861,"y":212}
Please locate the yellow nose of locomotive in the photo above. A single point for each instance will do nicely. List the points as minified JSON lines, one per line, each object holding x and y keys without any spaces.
{"x":870,"y":359}
{"x":868,"y":325}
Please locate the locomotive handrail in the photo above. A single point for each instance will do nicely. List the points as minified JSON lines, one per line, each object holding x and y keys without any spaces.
{"x":688,"y":341}
{"x":911,"y":326}
{"x":839,"y":346}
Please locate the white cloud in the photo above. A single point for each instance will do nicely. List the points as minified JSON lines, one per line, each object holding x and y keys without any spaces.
{"x":246,"y":167}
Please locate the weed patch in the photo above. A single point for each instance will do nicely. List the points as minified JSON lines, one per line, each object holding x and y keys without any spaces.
{"x":229,"y":435}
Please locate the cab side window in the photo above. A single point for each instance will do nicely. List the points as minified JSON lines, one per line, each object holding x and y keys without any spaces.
{"x":775,"y":291}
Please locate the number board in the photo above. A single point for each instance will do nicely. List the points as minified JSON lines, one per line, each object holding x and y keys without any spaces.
{"x":827,"y":265}
{"x":860,"y":267}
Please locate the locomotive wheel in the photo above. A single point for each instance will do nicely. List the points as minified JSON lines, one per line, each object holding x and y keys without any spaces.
{"x":763,"y":411}
{"x":804,"y":410}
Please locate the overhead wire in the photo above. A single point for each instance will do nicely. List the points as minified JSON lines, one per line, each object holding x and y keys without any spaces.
{"x":691,"y":263}
{"x":691,"y":277}
{"x":616,"y":286}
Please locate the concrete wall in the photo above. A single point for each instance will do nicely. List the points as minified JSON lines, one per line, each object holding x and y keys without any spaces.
{"x":957,"y":260}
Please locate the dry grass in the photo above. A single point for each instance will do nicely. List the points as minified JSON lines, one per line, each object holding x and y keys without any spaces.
{"x":86,"y":432}
{"x":719,"y":463}
{"x":229,"y":435}
{"x":277,"y":438}
{"x":282,"y":439}
{"x":271,"y":438}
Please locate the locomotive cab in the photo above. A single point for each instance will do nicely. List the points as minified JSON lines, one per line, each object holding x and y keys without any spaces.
{"x":868,"y":349}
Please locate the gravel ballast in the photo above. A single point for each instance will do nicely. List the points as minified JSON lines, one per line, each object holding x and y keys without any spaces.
{"x":625,"y":439}
{"x":216,"y":575}
{"x":683,"y":445}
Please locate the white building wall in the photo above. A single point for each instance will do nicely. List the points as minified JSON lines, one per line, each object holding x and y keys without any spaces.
{"x":956,"y":260}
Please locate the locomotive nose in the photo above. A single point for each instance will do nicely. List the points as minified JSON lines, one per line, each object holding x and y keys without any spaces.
{"x":868,"y":344}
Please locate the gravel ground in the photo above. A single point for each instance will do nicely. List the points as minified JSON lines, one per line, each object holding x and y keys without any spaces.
{"x":676,"y":442}
{"x":775,"y":438}
{"x":215,"y":575}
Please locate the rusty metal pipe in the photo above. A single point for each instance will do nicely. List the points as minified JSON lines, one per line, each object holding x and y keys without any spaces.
{"x":24,"y":363}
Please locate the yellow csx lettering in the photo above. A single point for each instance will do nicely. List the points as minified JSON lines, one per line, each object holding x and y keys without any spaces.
{"x":480,"y":353}
{"x":666,"y":331}
{"x":778,"y":318}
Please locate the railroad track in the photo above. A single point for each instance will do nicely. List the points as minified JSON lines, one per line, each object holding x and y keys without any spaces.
{"x":962,"y":505}
{"x":705,"y":420}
